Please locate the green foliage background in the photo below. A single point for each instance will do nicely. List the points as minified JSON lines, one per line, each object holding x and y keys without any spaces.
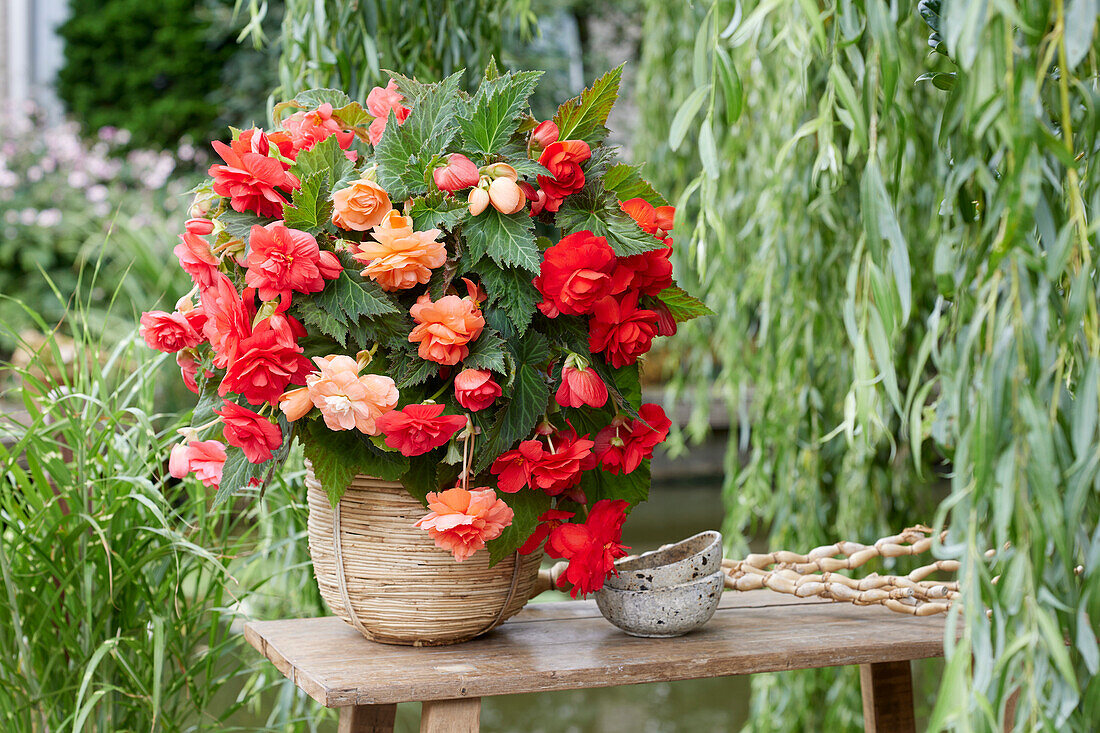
{"x":163,"y":70}
{"x":898,"y":243}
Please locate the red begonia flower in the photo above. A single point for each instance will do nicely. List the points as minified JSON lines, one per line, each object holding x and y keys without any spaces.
{"x":648,"y":273}
{"x":513,"y":468}
{"x":475,"y":389}
{"x":169,"y":332}
{"x":283,"y":260}
{"x":196,"y":259}
{"x":548,"y":520}
{"x":267,"y":361}
{"x":250,"y":177}
{"x":252,"y":433}
{"x":418,"y":429}
{"x":559,"y":469}
{"x":576,"y":273}
{"x":581,"y":387}
{"x":624,"y":444}
{"x":620,"y":329}
{"x":591,"y":548}
{"x":563,"y":158}
{"x":228,"y":318}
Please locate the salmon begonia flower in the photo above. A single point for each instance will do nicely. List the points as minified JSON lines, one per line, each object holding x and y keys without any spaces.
{"x":506,"y":196}
{"x":199,"y":226}
{"x":296,"y":403}
{"x":265,"y":362}
{"x":380,"y":102}
{"x":347,"y":399}
{"x":204,"y":458}
{"x":360,"y":205}
{"x":282,"y":261}
{"x":475,"y":389}
{"x":252,"y":433}
{"x":591,"y":548}
{"x":170,"y":332}
{"x":309,"y":127}
{"x":196,"y":259}
{"x":417,"y":429}
{"x":399,"y":258}
{"x":459,"y":173}
{"x":445,"y":327}
{"x":249,"y":177}
{"x":462,"y":521}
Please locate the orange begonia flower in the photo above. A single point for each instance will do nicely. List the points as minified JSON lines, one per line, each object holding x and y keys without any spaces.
{"x":399,"y":258}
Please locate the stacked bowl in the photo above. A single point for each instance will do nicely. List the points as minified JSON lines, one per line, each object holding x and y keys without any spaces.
{"x":667,"y":592}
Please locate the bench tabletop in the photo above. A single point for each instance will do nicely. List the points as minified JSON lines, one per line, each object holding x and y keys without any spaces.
{"x":563,"y":646}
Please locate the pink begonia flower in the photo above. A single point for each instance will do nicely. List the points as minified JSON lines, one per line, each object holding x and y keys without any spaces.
{"x":380,"y":102}
{"x":204,"y":458}
{"x":459,"y":173}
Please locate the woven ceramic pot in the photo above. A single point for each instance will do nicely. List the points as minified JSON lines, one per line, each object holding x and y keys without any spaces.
{"x":387,"y":578}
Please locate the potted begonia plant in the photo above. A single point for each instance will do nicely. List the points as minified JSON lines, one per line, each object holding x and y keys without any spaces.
{"x":444,"y":300}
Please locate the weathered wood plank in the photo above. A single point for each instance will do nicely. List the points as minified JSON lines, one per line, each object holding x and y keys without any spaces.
{"x":887,"y":689}
{"x":451,"y":716}
{"x":367,"y":719}
{"x":563,"y":646}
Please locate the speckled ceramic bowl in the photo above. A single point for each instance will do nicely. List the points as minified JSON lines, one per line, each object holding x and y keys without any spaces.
{"x":672,"y":611}
{"x":696,"y":557}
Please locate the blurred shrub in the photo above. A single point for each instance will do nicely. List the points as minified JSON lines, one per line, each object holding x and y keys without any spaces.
{"x":166,"y":71}
{"x":61,"y":197}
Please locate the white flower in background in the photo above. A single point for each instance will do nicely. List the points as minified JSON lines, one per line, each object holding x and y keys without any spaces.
{"x":97,"y":193}
{"x":34,"y":174}
{"x":28,"y":216}
{"x":8,"y":179}
{"x":49,"y":218}
{"x":79,"y":179}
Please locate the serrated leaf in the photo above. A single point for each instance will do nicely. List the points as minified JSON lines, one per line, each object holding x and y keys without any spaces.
{"x":527,"y":400}
{"x":336,"y":457}
{"x":508,"y":239}
{"x":511,"y":288}
{"x":436,"y":211}
{"x":527,"y":168}
{"x":428,"y":473}
{"x":683,"y":306}
{"x":312,"y":206}
{"x":356,"y":298}
{"x":238,"y":224}
{"x":384,"y":464}
{"x":237,"y":474}
{"x":314,"y":98}
{"x":633,"y":486}
{"x":487,"y":352}
{"x":325,"y":157}
{"x":527,"y":506}
{"x":407,"y":369}
{"x":334,"y":325}
{"x":595,"y":210}
{"x":583,"y":117}
{"x":406,"y":150}
{"x":491,"y":116}
{"x":626,"y":182}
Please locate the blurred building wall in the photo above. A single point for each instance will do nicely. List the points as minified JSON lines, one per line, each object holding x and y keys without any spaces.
{"x":30,"y":51}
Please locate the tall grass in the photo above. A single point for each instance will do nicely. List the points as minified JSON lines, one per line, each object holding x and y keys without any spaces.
{"x":121,"y":588}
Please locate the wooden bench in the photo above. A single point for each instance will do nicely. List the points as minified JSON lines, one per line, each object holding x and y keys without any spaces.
{"x":566,"y":646}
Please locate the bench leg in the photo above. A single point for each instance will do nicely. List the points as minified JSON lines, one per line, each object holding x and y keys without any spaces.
{"x":367,"y":719}
{"x":887,"y":697}
{"x":462,"y":715}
